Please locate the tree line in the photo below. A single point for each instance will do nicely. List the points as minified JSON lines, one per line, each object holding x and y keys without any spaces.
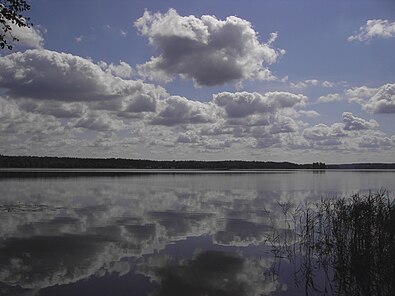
{"x":121,"y":163}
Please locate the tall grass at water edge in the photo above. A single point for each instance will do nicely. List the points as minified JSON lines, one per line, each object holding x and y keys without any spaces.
{"x":349,"y":242}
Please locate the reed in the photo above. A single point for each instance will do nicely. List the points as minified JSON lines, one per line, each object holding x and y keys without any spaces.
{"x":349,"y":241}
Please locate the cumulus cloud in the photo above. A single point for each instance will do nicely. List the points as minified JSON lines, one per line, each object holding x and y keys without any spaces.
{"x":16,"y":121}
{"x":30,"y":37}
{"x":314,"y":82}
{"x":46,"y":94}
{"x":180,"y":110}
{"x":374,"y":100}
{"x":187,"y":138}
{"x":213,"y":272}
{"x":50,"y":75}
{"x":324,"y":135}
{"x":354,"y":123}
{"x":376,"y":141}
{"x":205,"y":49}
{"x":330,"y":98}
{"x":241,"y":104}
{"x":98,"y":121}
{"x":57,"y":109}
{"x":306,"y":83}
{"x":123,"y":70}
{"x":283,"y":124}
{"x":360,"y":94}
{"x":383,"y":101}
{"x":309,"y":113}
{"x":376,"y":28}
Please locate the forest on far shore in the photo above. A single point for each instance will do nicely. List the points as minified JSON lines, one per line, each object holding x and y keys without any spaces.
{"x":120,"y":163}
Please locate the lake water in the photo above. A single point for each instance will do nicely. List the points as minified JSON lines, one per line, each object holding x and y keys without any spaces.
{"x":160,"y":234}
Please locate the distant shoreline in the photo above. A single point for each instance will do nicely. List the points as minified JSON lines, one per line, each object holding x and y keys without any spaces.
{"x":37,"y":162}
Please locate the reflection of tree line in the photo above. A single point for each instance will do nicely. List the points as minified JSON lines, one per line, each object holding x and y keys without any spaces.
{"x":349,"y":242}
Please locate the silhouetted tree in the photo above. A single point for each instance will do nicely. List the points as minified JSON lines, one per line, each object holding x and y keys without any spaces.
{"x":11,"y":14}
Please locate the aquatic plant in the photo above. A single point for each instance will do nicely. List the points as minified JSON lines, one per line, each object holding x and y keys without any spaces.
{"x":346,"y":245}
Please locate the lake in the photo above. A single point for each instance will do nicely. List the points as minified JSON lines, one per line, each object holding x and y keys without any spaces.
{"x":166,"y":233}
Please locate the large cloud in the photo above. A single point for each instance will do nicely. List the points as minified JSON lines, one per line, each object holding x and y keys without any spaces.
{"x":374,"y":28}
{"x":205,"y":49}
{"x":241,"y":104}
{"x":50,"y":75}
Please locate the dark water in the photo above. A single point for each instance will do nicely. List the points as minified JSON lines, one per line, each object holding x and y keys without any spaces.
{"x":162,"y":234}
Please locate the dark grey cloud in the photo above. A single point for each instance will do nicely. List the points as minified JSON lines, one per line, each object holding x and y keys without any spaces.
{"x":205,"y":49}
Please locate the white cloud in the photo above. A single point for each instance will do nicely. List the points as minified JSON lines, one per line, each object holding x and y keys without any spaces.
{"x":50,"y":75}
{"x":305,"y":83}
{"x":330,"y":98}
{"x":57,"y":109}
{"x":205,"y":49}
{"x":374,"y":28}
{"x":309,"y":113}
{"x":314,"y":82}
{"x":374,"y":100}
{"x":67,"y":105}
{"x":80,"y":38}
{"x":15,"y":121}
{"x":180,"y":110}
{"x":241,"y":104}
{"x":324,"y":135}
{"x":360,"y":94}
{"x":383,"y":101}
{"x":187,"y":138}
{"x":30,"y":37}
{"x":98,"y":121}
{"x":376,"y":141}
{"x":328,"y":84}
{"x":123,"y":70}
{"x":354,"y":123}
{"x":283,"y":124}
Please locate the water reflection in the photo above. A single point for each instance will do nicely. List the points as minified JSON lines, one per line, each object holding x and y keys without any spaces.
{"x":59,"y":233}
{"x":343,"y":246}
{"x":214,"y":273}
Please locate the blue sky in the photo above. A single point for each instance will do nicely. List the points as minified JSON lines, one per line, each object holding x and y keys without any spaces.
{"x":276,"y":80}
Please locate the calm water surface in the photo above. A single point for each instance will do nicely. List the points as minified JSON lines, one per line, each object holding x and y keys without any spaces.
{"x":159,"y":234}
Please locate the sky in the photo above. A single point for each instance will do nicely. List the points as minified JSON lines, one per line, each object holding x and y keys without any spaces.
{"x":274,"y":80}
